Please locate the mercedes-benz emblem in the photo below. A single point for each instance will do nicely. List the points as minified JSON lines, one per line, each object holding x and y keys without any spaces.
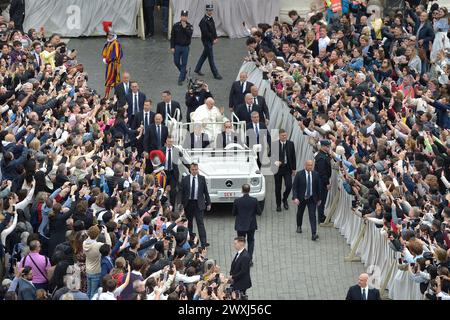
{"x":229,"y":183}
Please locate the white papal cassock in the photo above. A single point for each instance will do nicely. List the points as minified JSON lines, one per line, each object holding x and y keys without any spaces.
{"x":207,"y":117}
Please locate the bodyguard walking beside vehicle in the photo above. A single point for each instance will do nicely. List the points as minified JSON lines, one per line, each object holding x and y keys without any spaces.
{"x":245,"y":210}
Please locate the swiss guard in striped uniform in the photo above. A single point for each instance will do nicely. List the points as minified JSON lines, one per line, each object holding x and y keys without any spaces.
{"x":158,"y":159}
{"x":112,"y":53}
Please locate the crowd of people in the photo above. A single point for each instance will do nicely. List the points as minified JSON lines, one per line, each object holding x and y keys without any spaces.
{"x":377,"y":89}
{"x":85,"y":212}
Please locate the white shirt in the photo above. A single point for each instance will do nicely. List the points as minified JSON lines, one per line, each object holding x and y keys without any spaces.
{"x":308,"y":173}
{"x":126,"y":87}
{"x":228,"y":138}
{"x":168,"y":107}
{"x":443,"y":296}
{"x":283,"y":145}
{"x":239,"y":253}
{"x":256,"y":126}
{"x":196,"y":187}
{"x":38,"y":58}
{"x":146,"y":114}
{"x":152,"y":296}
{"x":182,"y":277}
{"x":135,"y":107}
{"x":323,"y":42}
{"x":104,"y":296}
{"x":167,"y":158}
{"x":244,"y":86}
{"x":366,"y":293}
{"x":315,"y":134}
{"x":197,"y":139}
{"x":136,"y":273}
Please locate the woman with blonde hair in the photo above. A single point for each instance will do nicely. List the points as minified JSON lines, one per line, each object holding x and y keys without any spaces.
{"x":311,"y":43}
{"x":414,"y":62}
{"x":34,"y":145}
{"x":441,"y":256}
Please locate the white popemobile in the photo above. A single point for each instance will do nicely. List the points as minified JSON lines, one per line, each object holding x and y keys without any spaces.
{"x":225,"y":169}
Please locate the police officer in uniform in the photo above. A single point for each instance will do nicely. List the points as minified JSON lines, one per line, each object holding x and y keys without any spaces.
{"x":323,"y":168}
{"x":180,"y":40}
{"x":209,"y":38}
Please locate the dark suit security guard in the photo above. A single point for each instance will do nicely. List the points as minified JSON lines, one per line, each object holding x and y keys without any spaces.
{"x":323,"y":168}
{"x":209,"y":38}
{"x":240,"y":267}
{"x":173,"y":156}
{"x":306,"y":194}
{"x":245,"y":210}
{"x":361,"y":291}
{"x":180,"y":40}
{"x":195,"y":199}
{"x":284,"y":166}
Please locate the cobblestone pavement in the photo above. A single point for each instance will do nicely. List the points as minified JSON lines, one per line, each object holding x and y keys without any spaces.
{"x":287,"y":265}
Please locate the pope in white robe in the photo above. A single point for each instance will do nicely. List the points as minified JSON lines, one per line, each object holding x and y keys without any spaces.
{"x":210,"y":116}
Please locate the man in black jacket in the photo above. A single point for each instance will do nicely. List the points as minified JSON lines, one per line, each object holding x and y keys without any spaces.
{"x":180,"y":40}
{"x":135,"y":100}
{"x":423,"y":29}
{"x":122,"y":89}
{"x":323,"y":168}
{"x":244,"y":110}
{"x":156,"y":135}
{"x":168,"y":106}
{"x":240,"y":267}
{"x":306,"y":193}
{"x":227,"y":136}
{"x":145,"y":117}
{"x":260,"y":101}
{"x":360,"y":85}
{"x":238,"y":90}
{"x":196,"y":139}
{"x":195,"y":199}
{"x":284,"y":166}
{"x":256,"y":134}
{"x":245,"y":210}
{"x":361,"y":291}
{"x":209,"y":38}
{"x":173,"y":156}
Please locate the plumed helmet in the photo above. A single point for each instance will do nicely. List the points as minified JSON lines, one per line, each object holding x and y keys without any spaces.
{"x":107,"y":27}
{"x":157,"y":157}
